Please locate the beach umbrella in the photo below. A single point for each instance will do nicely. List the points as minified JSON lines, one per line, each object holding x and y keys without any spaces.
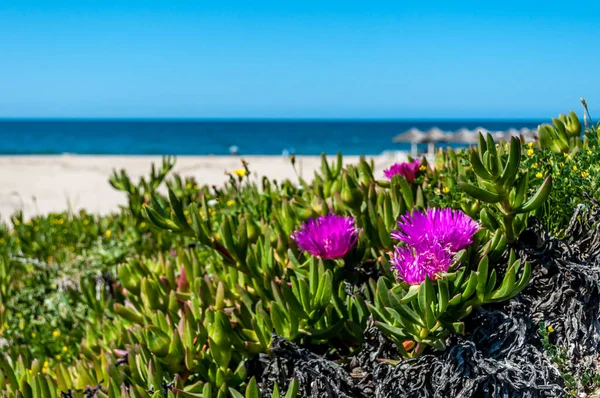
{"x":411,"y":135}
{"x":464,"y":136}
{"x":414,"y":136}
{"x":434,"y":135}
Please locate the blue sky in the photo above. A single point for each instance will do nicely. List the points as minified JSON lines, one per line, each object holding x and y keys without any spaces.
{"x":306,"y":59}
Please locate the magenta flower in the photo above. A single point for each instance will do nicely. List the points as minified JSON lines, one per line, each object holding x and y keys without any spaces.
{"x":449,"y":228}
{"x":432,"y":238}
{"x":407,"y":169}
{"x":413,"y":265}
{"x":329,"y":236}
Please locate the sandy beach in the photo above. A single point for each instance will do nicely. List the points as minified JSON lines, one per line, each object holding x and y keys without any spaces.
{"x":44,"y":184}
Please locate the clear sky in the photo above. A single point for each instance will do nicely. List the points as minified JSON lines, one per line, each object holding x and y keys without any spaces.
{"x":298,"y":59}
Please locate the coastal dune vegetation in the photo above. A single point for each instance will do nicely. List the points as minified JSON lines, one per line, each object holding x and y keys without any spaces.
{"x":331,"y":286}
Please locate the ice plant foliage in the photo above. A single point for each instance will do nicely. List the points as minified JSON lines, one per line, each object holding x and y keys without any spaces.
{"x":431,"y":238}
{"x":408,"y":170}
{"x":500,"y":185}
{"x":328,"y":237}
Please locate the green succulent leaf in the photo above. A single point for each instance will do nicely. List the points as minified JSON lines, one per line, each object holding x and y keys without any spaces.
{"x":493,"y":161}
{"x":482,"y":278}
{"x":470,"y":286}
{"x":479,"y":168}
{"x":511,"y":168}
{"x":538,"y":198}
{"x":480,"y":194}
{"x":293,"y":388}
{"x":394,"y":331}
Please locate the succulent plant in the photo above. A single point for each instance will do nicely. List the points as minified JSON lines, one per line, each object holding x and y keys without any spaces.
{"x":563,"y":135}
{"x":175,"y":294}
{"x":417,"y":316}
{"x":499,"y":184}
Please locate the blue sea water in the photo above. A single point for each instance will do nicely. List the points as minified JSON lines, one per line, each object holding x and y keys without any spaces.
{"x":215,"y":137}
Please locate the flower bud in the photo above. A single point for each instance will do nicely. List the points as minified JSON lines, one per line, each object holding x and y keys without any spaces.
{"x":252,"y":228}
{"x":350,"y":194}
{"x":573,"y":125}
{"x":365,"y":174}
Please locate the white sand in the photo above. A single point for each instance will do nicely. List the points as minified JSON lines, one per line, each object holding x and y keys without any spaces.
{"x":44,"y":184}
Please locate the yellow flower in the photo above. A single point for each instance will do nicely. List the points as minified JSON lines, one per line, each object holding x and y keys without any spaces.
{"x":423,"y":167}
{"x":57,"y":357}
{"x":562,"y":164}
{"x":445,"y":190}
{"x":196,"y":186}
{"x":65,"y":349}
{"x":56,"y":333}
{"x":21,"y":324}
{"x":566,"y":155}
{"x":46,"y":364}
{"x":585,"y":174}
{"x":589,"y":152}
{"x":535,"y":165}
{"x":240,"y":172}
{"x":539,"y":175}
{"x":44,"y":370}
{"x":574,"y":168}
{"x":5,"y":326}
{"x":108,"y":232}
{"x":217,"y":236}
{"x":529,"y":152}
{"x":530,"y":145}
{"x":188,"y":185}
{"x":19,"y":316}
{"x":230,"y":202}
{"x":86,"y":222}
{"x":142,"y":224}
{"x":33,"y":334}
{"x":186,"y":212}
{"x":550,"y":329}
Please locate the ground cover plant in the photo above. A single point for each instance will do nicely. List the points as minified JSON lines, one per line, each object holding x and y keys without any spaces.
{"x":448,"y":278}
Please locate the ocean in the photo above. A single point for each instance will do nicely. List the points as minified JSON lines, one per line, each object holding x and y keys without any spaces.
{"x":216,"y":137}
